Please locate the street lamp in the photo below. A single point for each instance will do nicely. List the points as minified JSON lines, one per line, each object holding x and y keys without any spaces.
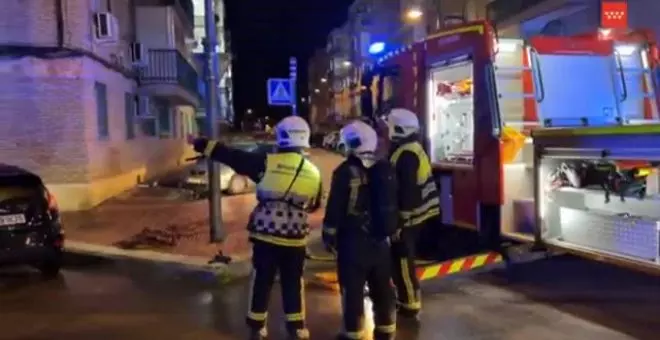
{"x":346,"y":63}
{"x":414,"y":13}
{"x":323,"y":80}
{"x":317,"y":90}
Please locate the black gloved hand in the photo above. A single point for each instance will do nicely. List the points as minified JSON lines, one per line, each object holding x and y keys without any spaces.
{"x":198,"y":143}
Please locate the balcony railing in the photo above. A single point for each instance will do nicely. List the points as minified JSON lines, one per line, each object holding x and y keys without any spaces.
{"x":166,"y":66}
{"x":501,"y":10}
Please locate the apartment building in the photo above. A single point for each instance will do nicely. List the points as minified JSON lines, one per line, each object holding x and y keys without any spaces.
{"x":318,"y":73}
{"x":97,"y":95}
{"x":225,"y":88}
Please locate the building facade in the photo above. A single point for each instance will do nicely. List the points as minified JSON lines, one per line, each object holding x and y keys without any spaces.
{"x":225,"y":88}
{"x":97,"y":95}
{"x":318,"y":73}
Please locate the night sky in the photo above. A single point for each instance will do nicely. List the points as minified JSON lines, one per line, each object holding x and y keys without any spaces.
{"x":265,"y":33}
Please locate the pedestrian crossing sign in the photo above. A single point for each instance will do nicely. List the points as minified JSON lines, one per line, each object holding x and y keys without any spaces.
{"x":279,"y":92}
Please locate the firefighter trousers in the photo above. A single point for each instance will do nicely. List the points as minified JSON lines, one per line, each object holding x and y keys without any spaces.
{"x":371,"y":266}
{"x":267,"y":261}
{"x":403,"y":272}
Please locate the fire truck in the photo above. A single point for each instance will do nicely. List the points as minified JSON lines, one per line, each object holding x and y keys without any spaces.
{"x":508,"y":123}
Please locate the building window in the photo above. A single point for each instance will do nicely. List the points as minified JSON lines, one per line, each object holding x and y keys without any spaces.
{"x":165,"y":123}
{"x":146,"y":119}
{"x":130,"y":114}
{"x":102,"y":123}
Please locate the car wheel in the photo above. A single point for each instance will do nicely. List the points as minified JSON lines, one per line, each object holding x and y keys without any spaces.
{"x":50,"y":267}
{"x":237,"y":185}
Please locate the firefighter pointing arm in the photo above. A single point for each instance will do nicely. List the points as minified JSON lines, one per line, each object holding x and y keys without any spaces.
{"x":286,"y":184}
{"x":418,"y":203}
{"x":360,"y":218}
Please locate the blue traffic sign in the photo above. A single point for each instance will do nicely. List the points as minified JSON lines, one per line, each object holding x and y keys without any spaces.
{"x":279,"y":92}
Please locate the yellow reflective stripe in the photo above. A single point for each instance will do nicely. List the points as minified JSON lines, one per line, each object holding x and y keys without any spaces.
{"x":469,"y":29}
{"x":257,"y":316}
{"x":430,"y":272}
{"x":591,"y":131}
{"x":210,"y":146}
{"x":424,"y":169}
{"x":423,"y":218}
{"x":479,"y":261}
{"x":279,"y":241}
{"x":407,"y":282}
{"x":411,"y":306}
{"x":303,"y":305}
{"x":387,"y":329}
{"x":295,"y":317}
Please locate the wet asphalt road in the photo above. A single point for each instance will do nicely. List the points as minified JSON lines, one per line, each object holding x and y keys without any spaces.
{"x":561,"y":298}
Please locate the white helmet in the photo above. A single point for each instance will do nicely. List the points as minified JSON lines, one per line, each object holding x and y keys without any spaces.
{"x":361,"y":140}
{"x":292,"y":132}
{"x":402,"y":123}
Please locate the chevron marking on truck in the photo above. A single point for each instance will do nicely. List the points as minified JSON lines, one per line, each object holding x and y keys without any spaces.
{"x":458,"y":265}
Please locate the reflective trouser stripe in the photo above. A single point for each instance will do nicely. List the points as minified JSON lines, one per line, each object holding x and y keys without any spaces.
{"x":387,"y":329}
{"x":256,"y":316}
{"x":411,"y":293}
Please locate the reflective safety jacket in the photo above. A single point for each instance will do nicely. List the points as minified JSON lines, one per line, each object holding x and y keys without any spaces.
{"x":290,"y":182}
{"x":418,"y":193}
{"x":361,"y":208}
{"x":286,"y":184}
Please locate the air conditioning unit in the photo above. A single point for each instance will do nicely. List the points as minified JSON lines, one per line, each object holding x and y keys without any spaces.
{"x":144,"y":106}
{"x":138,"y":54}
{"x":106,"y":27}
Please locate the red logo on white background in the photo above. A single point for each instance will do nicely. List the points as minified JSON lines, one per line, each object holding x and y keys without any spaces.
{"x":614,"y":15}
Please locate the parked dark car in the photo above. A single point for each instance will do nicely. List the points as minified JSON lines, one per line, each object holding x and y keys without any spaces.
{"x":30,"y":227}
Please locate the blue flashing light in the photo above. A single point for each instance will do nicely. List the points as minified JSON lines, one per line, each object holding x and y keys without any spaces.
{"x":377,"y":48}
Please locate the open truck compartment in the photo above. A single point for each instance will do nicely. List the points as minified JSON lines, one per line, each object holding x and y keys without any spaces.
{"x":598,"y":191}
{"x":487,"y":106}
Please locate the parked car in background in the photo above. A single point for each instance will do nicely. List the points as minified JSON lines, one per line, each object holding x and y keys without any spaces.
{"x":230,"y":182}
{"x":30,"y":227}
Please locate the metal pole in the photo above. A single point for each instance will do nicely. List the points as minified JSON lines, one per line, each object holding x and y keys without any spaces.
{"x":293,"y":76}
{"x":215,"y":209}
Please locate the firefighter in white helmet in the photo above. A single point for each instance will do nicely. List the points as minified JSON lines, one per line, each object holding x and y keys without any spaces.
{"x":360,"y":217}
{"x":286,"y":184}
{"x":418,"y":203}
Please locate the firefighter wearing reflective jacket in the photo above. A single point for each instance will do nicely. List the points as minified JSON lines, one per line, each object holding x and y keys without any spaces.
{"x":286,"y":184}
{"x":418,"y":203}
{"x":360,"y":217}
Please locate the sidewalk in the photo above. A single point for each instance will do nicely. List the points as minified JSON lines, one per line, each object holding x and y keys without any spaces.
{"x":161,"y":223}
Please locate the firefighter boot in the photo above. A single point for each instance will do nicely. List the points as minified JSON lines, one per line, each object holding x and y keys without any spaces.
{"x":258,"y":334}
{"x":299,"y":334}
{"x":408,"y":315}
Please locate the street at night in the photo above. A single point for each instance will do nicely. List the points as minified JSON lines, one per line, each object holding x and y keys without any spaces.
{"x":562,"y":298}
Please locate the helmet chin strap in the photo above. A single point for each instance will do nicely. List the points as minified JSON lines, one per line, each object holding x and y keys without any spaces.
{"x":367,"y":159}
{"x":368,"y":163}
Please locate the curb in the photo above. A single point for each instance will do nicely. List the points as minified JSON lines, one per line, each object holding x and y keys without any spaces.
{"x":239,"y":268}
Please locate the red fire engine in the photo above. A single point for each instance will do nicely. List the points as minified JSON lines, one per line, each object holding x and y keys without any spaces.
{"x":479,"y":98}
